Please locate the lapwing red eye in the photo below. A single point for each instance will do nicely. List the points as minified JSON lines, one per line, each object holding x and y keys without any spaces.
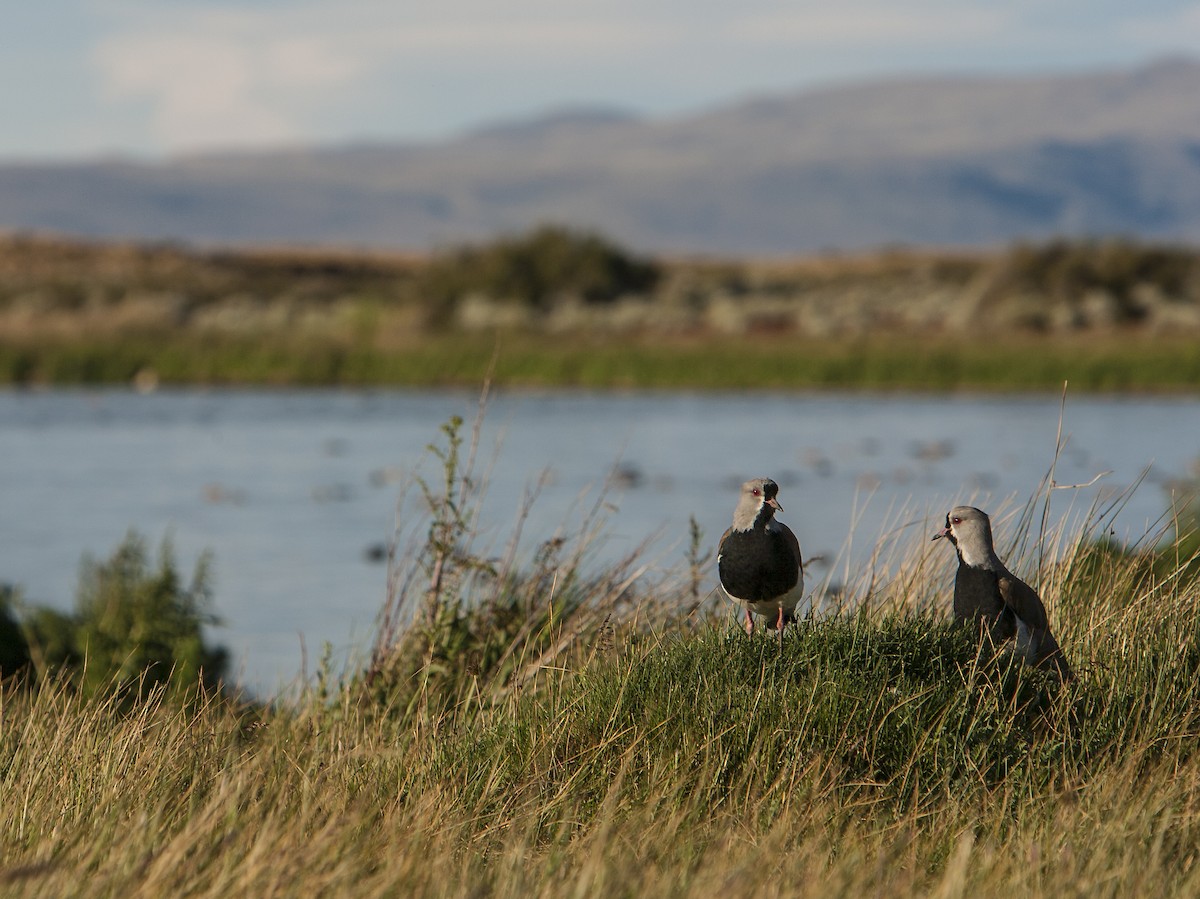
{"x":956,"y":520}
{"x":756,"y":492}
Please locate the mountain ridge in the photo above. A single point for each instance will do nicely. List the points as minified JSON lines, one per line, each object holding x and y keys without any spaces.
{"x":944,"y":160}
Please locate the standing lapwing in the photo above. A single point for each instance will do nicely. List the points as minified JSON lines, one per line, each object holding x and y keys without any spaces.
{"x":987,"y":596}
{"x":758,"y":558}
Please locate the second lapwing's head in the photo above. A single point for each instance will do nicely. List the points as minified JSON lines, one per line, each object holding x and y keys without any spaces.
{"x":757,"y":504}
{"x":970,"y":530}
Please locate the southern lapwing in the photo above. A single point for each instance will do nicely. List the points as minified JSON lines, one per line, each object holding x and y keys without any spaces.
{"x":993,"y":600}
{"x":758,"y":558}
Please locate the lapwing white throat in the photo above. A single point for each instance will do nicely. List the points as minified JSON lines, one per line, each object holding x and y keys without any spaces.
{"x":758,"y":558}
{"x":994,"y":601}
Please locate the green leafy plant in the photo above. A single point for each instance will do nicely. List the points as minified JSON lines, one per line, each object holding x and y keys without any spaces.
{"x":137,"y":625}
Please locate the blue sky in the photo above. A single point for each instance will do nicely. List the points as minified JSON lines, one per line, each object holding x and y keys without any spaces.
{"x":151,"y":78}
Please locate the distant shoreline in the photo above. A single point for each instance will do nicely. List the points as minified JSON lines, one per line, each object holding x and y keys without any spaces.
{"x":1113,"y":365}
{"x":1107,"y":317}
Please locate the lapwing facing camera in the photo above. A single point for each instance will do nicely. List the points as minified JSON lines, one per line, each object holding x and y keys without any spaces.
{"x":758,"y":558}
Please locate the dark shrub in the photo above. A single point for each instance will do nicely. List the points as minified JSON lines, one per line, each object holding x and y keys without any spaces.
{"x":136,"y":625}
{"x":537,"y":269}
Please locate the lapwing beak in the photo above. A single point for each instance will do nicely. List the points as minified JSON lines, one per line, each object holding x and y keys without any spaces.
{"x":774,"y":504}
{"x":944,"y":532}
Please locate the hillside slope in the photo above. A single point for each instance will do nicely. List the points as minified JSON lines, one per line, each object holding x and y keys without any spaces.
{"x":929,"y":161}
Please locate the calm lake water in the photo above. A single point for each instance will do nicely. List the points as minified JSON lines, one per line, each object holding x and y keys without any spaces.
{"x":289,"y":489}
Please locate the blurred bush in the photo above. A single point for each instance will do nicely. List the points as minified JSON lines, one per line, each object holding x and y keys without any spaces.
{"x":1065,"y":273}
{"x":137,"y":625}
{"x":14,"y":651}
{"x":536,"y":269}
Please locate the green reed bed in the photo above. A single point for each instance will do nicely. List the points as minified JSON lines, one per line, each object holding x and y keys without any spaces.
{"x":1096,"y":363}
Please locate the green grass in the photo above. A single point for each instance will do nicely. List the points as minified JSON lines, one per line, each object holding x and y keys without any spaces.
{"x":868,"y":756}
{"x":1100,"y":364}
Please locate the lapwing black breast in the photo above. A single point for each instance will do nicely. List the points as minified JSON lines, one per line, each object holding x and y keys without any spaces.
{"x":758,"y":559}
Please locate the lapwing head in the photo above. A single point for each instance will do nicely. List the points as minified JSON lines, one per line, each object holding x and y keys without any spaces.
{"x":970,"y":530}
{"x":757,"y":504}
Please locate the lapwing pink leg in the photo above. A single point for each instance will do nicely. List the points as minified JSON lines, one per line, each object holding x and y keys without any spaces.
{"x":779,"y":627}
{"x":749,"y":623}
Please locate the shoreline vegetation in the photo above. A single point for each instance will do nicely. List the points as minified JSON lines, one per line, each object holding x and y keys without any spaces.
{"x":547,"y":730}
{"x":555,"y":308}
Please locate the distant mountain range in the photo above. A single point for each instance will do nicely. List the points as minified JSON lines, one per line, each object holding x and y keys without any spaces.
{"x":936,"y":160}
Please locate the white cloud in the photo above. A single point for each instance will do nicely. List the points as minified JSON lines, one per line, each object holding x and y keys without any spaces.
{"x":197,"y":89}
{"x":221,"y":79}
{"x":212,"y":74}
